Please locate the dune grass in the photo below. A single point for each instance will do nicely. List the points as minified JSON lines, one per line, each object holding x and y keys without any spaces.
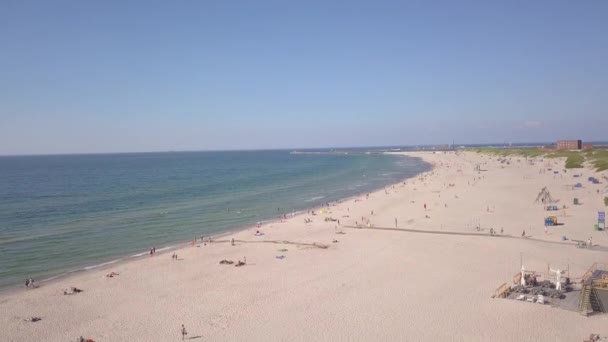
{"x":574,"y":159}
{"x":598,"y":158}
{"x":506,"y":152}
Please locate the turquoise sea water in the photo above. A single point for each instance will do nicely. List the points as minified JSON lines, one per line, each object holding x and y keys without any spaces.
{"x":65,"y":213}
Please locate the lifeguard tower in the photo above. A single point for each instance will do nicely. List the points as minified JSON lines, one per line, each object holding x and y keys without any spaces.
{"x":594,"y":291}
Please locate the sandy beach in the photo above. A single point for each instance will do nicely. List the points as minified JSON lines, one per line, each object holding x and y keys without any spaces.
{"x":328,"y":281}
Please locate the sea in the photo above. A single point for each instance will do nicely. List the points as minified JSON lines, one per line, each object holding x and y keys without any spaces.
{"x":61,"y":214}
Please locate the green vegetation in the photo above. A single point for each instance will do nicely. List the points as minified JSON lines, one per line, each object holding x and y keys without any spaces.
{"x":606,"y":201}
{"x":574,"y":159}
{"x":505,"y":152}
{"x":599,"y":159}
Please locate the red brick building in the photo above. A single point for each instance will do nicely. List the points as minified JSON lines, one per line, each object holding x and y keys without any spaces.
{"x":569,"y":144}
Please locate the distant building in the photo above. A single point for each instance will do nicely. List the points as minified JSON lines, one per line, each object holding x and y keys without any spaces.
{"x":569,"y":144}
{"x":587,"y":146}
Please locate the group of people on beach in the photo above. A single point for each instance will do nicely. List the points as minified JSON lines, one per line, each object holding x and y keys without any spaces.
{"x":29,"y":283}
{"x":152,"y":251}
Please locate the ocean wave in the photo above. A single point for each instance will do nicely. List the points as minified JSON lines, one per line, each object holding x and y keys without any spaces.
{"x":314,"y":198}
{"x":101,"y":265}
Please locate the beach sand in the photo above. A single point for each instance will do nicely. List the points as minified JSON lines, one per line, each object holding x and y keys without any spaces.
{"x":374,"y":285}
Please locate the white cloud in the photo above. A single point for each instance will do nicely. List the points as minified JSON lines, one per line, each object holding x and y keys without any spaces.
{"x":533,"y":123}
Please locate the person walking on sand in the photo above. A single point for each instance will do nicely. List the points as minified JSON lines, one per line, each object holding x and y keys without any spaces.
{"x":424,"y":206}
{"x":184,"y":332}
{"x":395,"y":222}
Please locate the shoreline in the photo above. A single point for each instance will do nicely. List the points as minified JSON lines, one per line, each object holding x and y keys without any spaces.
{"x":316,"y":281}
{"x":124,"y":259}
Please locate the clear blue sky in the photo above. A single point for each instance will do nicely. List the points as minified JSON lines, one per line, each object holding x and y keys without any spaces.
{"x":109,"y":76}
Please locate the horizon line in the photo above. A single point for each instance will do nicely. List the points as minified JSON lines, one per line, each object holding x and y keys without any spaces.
{"x":530,"y":144}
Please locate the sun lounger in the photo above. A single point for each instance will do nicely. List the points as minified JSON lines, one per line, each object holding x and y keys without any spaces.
{"x":541,"y":299}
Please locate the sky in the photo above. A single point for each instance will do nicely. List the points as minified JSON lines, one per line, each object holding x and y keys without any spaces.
{"x":128,"y":76}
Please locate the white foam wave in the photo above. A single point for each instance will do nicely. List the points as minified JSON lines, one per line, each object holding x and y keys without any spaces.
{"x":102,"y":264}
{"x":314,"y":198}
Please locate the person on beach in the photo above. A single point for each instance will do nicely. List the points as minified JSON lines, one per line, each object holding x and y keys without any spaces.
{"x":184,"y":332}
{"x":232,"y":242}
{"x":395,"y":222}
{"x":424,"y":206}
{"x":27,"y":283}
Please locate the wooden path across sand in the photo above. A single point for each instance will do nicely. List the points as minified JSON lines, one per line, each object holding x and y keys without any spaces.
{"x":507,"y":236}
